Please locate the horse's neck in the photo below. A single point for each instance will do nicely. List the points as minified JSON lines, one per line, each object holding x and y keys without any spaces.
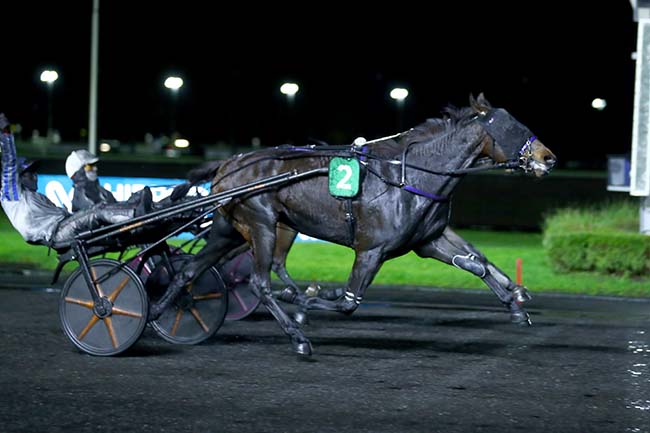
{"x":448,"y":150}
{"x":460,"y":150}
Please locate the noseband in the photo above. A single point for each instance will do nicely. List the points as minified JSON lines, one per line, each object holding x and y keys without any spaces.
{"x":525,"y":154}
{"x":508,"y":134}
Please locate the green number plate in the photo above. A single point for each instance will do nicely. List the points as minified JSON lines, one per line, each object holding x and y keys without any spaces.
{"x":344,"y":177}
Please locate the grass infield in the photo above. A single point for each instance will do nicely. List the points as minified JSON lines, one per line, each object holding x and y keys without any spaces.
{"x":325,"y":262}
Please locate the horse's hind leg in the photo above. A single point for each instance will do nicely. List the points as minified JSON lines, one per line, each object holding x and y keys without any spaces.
{"x":366,"y":265}
{"x":285,"y":237}
{"x":263,"y":244}
{"x":454,"y":250}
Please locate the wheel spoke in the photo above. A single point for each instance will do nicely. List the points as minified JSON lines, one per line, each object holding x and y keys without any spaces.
{"x":113,"y":296}
{"x":206,"y":296}
{"x":197,"y":316}
{"x":94,"y":319}
{"x":108,"y":321}
{"x":87,"y":304}
{"x":240,"y":300}
{"x":97,"y":286}
{"x":177,"y":321}
{"x":121,"y":312}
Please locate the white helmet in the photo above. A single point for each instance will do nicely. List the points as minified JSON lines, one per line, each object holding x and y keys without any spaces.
{"x":77,"y":159}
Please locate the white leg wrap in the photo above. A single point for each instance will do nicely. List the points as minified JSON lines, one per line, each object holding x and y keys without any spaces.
{"x":349,"y":296}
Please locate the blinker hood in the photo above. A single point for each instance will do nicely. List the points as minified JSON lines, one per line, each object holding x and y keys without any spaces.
{"x":513,"y":137}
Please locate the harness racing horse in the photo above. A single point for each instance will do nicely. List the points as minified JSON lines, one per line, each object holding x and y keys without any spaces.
{"x":403,"y":205}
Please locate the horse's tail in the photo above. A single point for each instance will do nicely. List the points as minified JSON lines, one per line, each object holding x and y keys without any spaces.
{"x":204,"y":173}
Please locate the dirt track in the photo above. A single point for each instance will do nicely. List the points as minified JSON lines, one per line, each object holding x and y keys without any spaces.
{"x":406,"y":361}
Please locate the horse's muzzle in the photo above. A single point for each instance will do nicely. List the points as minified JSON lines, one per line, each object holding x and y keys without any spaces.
{"x":540,"y":169}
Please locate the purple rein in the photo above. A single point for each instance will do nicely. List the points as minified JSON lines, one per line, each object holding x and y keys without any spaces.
{"x":417,"y":191}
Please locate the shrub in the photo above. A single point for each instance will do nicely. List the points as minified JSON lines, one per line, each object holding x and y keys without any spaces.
{"x":600,"y":238}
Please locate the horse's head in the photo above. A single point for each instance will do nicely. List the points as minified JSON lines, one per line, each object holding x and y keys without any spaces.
{"x":510,"y":141}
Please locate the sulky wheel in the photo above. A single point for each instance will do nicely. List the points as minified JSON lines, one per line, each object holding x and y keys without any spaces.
{"x":198,"y":311}
{"x":236,"y":274}
{"x":113,"y":324}
{"x":142,"y":266}
{"x":145,"y":265}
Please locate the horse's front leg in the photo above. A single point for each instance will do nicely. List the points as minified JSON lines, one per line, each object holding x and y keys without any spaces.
{"x":366,"y":265}
{"x":454,"y":250}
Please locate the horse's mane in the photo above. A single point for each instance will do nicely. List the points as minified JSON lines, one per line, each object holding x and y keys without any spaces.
{"x":451,"y":118}
{"x":431,"y":129}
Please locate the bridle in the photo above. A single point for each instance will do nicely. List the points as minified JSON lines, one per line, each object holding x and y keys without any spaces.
{"x":525,"y":154}
{"x":509,"y":134}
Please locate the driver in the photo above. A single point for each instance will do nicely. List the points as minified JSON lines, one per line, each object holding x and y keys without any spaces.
{"x":81,"y":167}
{"x":35,"y":217}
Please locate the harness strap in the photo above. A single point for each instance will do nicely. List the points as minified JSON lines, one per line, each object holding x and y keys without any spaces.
{"x":409,"y":188}
{"x":382,"y":178}
{"x":350,"y":219}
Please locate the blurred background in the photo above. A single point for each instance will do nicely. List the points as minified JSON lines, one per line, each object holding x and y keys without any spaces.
{"x":546,"y":63}
{"x":182,"y":82}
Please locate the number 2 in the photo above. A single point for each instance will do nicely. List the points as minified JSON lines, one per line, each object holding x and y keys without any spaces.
{"x":343,"y":183}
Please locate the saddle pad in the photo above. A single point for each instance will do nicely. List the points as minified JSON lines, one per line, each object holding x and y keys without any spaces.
{"x":344,"y":177}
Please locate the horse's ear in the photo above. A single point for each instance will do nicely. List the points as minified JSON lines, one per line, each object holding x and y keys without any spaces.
{"x":483,"y":101}
{"x":480,"y":104}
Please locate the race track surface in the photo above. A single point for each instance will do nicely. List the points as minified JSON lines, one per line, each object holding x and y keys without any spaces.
{"x":406,"y":361}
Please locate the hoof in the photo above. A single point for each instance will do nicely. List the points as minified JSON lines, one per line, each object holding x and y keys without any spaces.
{"x":287,"y":295}
{"x":312,"y":290}
{"x":348,"y":307}
{"x":300,"y":317}
{"x":302,"y":349}
{"x":520,"y":318}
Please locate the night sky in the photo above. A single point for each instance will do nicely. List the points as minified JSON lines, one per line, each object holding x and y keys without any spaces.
{"x":542,"y":62}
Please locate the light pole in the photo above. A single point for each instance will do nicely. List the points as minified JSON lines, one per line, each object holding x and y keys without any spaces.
{"x":290,"y":90}
{"x":173,"y":84}
{"x":94,"y":72}
{"x":49,"y":77}
{"x":399,"y":94}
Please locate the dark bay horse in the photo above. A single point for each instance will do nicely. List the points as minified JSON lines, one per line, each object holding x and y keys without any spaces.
{"x":403,"y":205}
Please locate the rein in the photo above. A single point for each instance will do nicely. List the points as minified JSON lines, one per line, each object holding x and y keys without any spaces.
{"x":347,"y":150}
{"x":459,"y":172}
{"x":412,"y":189}
{"x":360,"y":150}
